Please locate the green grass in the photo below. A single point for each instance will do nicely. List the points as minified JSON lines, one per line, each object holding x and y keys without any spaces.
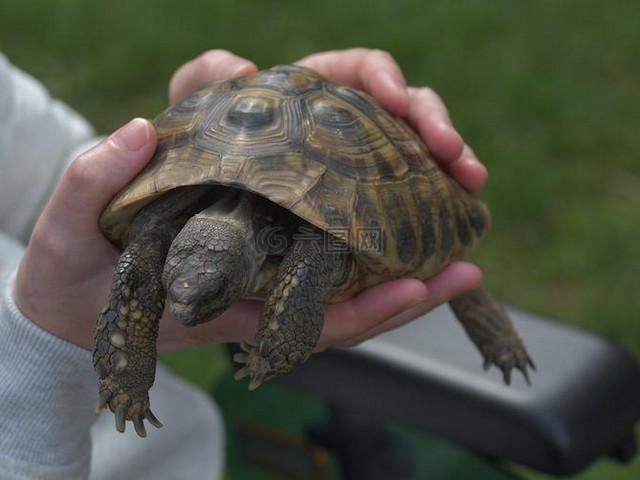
{"x":546,"y":92}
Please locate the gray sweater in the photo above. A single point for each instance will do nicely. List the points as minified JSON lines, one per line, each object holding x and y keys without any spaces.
{"x":47,"y":385}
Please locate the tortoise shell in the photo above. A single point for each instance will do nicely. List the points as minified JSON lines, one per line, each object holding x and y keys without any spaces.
{"x":326,"y":152}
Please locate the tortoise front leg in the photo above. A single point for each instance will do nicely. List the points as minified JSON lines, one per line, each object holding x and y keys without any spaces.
{"x":293,"y":314}
{"x":491,"y":330}
{"x":124,"y":340}
{"x":124,"y":354}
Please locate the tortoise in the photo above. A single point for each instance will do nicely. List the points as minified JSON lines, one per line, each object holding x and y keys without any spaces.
{"x":285,"y":186}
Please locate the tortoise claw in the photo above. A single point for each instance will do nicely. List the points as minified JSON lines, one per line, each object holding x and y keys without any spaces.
{"x":243,"y":372}
{"x":256,"y":377}
{"x":486,"y":364}
{"x":530,"y":363}
{"x":506,"y":359}
{"x":254,"y":367}
{"x":254,"y":382}
{"x":241,"y":358}
{"x":506,"y":375}
{"x":103,"y":401}
{"x":121,"y":413}
{"x":151,"y":418}
{"x":138,"y":425}
{"x":125,"y":409}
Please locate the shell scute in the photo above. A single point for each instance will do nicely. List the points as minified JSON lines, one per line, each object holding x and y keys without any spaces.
{"x":326,"y":152}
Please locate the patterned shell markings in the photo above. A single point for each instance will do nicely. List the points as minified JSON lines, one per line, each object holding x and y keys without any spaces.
{"x":322,"y":150}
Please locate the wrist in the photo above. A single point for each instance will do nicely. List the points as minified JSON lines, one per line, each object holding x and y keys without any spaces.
{"x":48,"y":391}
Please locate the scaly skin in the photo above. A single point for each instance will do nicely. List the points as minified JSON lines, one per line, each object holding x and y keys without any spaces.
{"x":491,"y":330}
{"x":124,"y":355}
{"x":126,"y":333}
{"x":214,"y":259}
{"x":293,"y":314}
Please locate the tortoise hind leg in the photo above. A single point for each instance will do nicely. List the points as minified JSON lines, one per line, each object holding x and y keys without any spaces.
{"x":491,"y":330}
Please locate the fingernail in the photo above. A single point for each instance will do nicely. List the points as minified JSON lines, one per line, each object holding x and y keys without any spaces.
{"x":451,"y":143}
{"x":417,"y":301}
{"x":446,"y":128}
{"x":132,"y":136}
{"x":242,"y":68}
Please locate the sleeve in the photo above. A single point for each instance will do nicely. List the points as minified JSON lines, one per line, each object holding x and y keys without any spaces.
{"x":38,"y":136}
{"x":48,"y":388}
{"x":49,"y":430}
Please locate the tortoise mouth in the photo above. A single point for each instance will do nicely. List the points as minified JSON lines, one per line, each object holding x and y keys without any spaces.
{"x":190,"y":315}
{"x":182,"y":312}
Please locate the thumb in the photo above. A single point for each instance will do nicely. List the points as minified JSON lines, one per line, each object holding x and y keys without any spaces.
{"x":95,"y":176}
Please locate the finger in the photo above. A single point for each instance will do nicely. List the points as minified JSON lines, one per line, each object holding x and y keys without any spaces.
{"x":96,"y":176}
{"x":211,"y":65}
{"x":429,"y":116}
{"x":342,"y":320}
{"x":346,"y":320}
{"x":374,"y":71}
{"x":238,"y":324}
{"x":468,"y":170}
{"x":455,"y":279}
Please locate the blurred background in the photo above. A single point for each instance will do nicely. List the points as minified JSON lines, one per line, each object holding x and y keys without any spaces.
{"x":546,"y":92}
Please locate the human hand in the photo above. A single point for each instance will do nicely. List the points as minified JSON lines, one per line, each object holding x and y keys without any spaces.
{"x":377,"y":73}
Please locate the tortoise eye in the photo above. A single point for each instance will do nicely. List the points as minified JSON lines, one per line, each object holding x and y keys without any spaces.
{"x":252,"y":112}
